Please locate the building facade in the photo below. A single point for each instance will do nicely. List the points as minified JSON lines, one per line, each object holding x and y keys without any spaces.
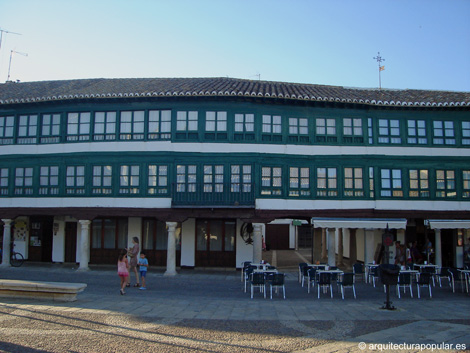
{"x":184,"y":164}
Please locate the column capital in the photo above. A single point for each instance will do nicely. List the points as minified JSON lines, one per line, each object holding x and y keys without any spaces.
{"x":7,"y":221}
{"x":172,"y":225}
{"x":84,"y":222}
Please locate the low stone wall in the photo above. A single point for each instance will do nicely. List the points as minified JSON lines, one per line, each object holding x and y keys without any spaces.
{"x":56,"y":291}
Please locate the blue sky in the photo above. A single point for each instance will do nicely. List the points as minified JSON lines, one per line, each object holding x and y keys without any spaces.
{"x":425,"y":43}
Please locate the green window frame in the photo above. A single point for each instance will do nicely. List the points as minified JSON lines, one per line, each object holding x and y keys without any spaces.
{"x":213,"y":178}
{"x":129,"y":179}
{"x":50,"y":128}
{"x":75,"y":180}
{"x":271,"y":181}
{"x":371,"y":183}
{"x":352,"y":130}
{"x":216,"y":125}
{"x":353,"y":182}
{"x":159,"y":125}
{"x":325,"y":130}
{"x":7,"y":130}
{"x":416,"y":132}
{"x":104,"y":127}
{"x":389,"y":131}
{"x":240,"y":178}
{"x":49,"y":180}
{"x":24,"y":181}
{"x":391,"y":183}
{"x":157,"y":179}
{"x":132,"y":125}
{"x":443,"y":132}
{"x":4,"y":181}
{"x":186,"y":178}
{"x":419,"y":183}
{"x":298,"y":130}
{"x":299,"y":181}
{"x":27,"y":129}
{"x":102,"y":179}
{"x":244,"y":126}
{"x":445,"y":183}
{"x":78,"y":126}
{"x":466,"y":184}
{"x":327,"y":182}
{"x":271,"y":128}
{"x":465,"y":133}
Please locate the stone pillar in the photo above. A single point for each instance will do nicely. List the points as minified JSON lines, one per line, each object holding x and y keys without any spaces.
{"x":331,"y":246}
{"x":171,"y":250}
{"x":340,"y":246}
{"x":6,"y":251}
{"x":438,"y":248}
{"x":368,"y":245}
{"x":257,"y":242}
{"x":352,"y":246}
{"x":323,"y":244}
{"x":84,"y":245}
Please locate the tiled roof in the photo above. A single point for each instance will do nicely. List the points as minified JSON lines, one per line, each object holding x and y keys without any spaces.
{"x":28,"y":92}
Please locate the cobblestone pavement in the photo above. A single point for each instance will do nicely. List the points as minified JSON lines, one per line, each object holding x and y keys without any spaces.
{"x":208,"y":311}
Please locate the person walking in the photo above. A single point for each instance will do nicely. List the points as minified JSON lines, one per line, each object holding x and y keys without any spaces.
{"x":132,"y":253}
{"x":123,"y":269}
{"x":144,"y":264}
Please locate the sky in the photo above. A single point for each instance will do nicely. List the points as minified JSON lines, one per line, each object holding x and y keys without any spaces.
{"x":425,"y":43}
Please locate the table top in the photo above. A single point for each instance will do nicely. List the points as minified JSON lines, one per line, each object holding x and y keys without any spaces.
{"x":423,"y":265}
{"x":409,"y":271}
{"x":330,"y":271}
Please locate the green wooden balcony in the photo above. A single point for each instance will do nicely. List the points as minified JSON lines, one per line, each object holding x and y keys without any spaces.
{"x":220,"y":195}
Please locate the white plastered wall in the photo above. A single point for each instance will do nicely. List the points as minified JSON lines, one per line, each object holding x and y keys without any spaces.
{"x":244,"y":252}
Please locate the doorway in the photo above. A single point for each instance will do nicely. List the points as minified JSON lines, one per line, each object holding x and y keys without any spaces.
{"x":277,"y":237}
{"x":71,"y":242}
{"x":40,"y":239}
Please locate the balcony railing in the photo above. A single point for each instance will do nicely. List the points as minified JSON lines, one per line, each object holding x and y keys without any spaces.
{"x":227,"y":196}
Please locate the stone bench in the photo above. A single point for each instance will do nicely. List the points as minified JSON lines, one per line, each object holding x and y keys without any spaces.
{"x":57,"y":291}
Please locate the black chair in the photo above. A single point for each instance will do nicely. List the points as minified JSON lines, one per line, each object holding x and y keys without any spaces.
{"x":358,"y":270}
{"x":404,"y":280}
{"x":305,"y":273}
{"x":301,"y":266}
{"x":323,"y":282}
{"x":258,"y":280}
{"x":431,"y":270}
{"x":424,"y":280}
{"x":374,"y":273}
{"x":311,"y":274}
{"x":245,"y":264}
{"x":443,"y":273}
{"x":347,"y":281}
{"x":247,"y":274}
{"x":456,"y":278}
{"x":276,"y":280}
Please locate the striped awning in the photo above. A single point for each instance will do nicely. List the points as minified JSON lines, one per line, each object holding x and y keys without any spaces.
{"x":367,"y":223}
{"x":449,"y":224}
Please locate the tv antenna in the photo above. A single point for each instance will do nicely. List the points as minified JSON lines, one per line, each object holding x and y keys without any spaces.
{"x":9,"y":65}
{"x":381,"y":67}
{"x":8,"y":32}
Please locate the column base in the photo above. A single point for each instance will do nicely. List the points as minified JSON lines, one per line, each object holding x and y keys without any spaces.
{"x":5,"y":265}
{"x":83,"y":268}
{"x":170,"y":273}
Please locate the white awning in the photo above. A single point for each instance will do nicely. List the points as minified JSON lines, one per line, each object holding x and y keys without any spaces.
{"x":448,"y":224}
{"x":367,"y":223}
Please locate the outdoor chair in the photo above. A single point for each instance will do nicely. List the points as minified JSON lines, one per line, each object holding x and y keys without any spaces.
{"x":424,"y":280}
{"x":431,"y":270}
{"x":347,"y":281}
{"x":358,"y":270}
{"x":258,"y":280}
{"x":443,"y":273}
{"x":311,"y":274}
{"x":301,"y":266}
{"x":456,"y":278}
{"x":404,"y":280}
{"x":374,"y":274}
{"x":276,"y":280}
{"x":324,"y":282}
{"x":245,"y":264}
{"x":305,"y":273}
{"x":247,"y":274}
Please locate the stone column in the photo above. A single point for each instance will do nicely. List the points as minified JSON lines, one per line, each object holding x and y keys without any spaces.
{"x":340,"y":246}
{"x":438,"y":248}
{"x":352,"y":246}
{"x":323,"y":244}
{"x":84,"y":245}
{"x":368,"y":245}
{"x":257,"y":242}
{"x":6,"y":251}
{"x":331,"y":246}
{"x":171,"y":250}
